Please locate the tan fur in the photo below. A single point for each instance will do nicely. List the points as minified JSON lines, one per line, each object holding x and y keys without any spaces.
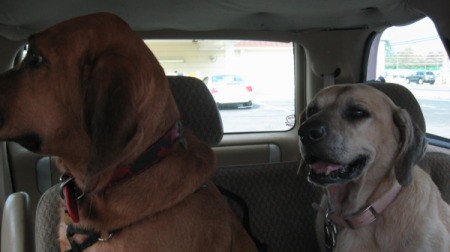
{"x":97,"y":101}
{"x":418,"y":219}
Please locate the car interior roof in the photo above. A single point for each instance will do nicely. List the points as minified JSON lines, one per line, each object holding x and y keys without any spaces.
{"x":17,"y":21}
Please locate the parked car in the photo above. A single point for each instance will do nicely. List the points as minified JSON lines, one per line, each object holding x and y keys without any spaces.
{"x":229,"y":89}
{"x":421,"y":77}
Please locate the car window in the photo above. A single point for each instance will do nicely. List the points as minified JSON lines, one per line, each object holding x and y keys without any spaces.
{"x":252,"y":82}
{"x":415,"y":57}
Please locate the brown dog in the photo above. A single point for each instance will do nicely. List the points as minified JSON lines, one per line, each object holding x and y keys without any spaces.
{"x":90,"y":92}
{"x":362,"y":149}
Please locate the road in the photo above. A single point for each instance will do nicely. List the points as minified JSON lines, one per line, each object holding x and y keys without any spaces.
{"x":269,"y":114}
{"x":435,"y":103}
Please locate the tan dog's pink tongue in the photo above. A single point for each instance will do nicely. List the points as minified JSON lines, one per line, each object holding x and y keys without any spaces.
{"x":321,"y":167}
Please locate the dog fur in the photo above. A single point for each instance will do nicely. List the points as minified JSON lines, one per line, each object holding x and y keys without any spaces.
{"x":90,"y":92}
{"x":348,"y":122}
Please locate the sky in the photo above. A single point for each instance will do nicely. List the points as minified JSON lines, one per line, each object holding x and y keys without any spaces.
{"x":421,"y":35}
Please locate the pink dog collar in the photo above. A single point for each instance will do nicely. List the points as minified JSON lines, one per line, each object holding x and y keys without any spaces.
{"x":366,"y":215}
{"x":362,"y":218}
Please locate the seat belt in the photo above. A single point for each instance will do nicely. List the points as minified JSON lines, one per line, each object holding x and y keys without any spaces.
{"x":329,"y":79}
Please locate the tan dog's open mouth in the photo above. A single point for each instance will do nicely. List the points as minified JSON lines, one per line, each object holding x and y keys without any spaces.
{"x":326,"y":172}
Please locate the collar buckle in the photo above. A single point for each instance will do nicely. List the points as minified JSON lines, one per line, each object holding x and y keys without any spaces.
{"x":70,"y":193}
{"x":362,"y":218}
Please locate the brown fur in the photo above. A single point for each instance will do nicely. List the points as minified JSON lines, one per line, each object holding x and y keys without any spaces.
{"x":418,"y":219}
{"x":97,"y":101}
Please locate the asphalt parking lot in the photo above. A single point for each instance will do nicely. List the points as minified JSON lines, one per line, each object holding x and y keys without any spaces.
{"x":269,"y":113}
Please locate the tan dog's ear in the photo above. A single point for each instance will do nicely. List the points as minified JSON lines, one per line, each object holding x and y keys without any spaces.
{"x":413,"y":144}
{"x":110,"y":118}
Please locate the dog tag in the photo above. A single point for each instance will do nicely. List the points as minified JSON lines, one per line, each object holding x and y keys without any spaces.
{"x":330,"y":233}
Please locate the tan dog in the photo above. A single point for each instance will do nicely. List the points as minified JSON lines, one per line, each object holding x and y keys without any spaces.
{"x":90,"y":92}
{"x":363,"y":150}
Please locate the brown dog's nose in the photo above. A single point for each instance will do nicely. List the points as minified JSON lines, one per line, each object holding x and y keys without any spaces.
{"x":312,"y":131}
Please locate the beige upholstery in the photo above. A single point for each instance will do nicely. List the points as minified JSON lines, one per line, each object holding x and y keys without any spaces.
{"x":47,"y":220}
{"x":437,"y":164}
{"x":279,"y":203}
{"x":16,"y":236}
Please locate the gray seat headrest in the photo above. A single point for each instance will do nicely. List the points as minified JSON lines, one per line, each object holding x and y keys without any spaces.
{"x":197,"y":108}
{"x":403,"y":98}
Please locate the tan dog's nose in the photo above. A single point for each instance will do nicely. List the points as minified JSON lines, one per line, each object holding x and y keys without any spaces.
{"x":312,"y":131}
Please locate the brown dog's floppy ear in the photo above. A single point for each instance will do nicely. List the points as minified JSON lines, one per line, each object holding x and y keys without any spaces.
{"x":110,"y":117}
{"x":413,"y":144}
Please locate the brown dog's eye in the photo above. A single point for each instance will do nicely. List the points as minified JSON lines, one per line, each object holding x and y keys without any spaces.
{"x":35,"y":60}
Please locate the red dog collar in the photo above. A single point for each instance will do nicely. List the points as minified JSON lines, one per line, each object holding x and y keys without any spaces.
{"x":159,"y":150}
{"x":162,"y":148}
{"x":70,"y":193}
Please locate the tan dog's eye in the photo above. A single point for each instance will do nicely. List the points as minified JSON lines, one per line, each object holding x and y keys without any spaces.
{"x":355,"y":113}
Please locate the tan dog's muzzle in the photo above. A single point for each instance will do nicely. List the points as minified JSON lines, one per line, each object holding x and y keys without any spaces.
{"x":312,"y":132}
{"x":322,"y":148}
